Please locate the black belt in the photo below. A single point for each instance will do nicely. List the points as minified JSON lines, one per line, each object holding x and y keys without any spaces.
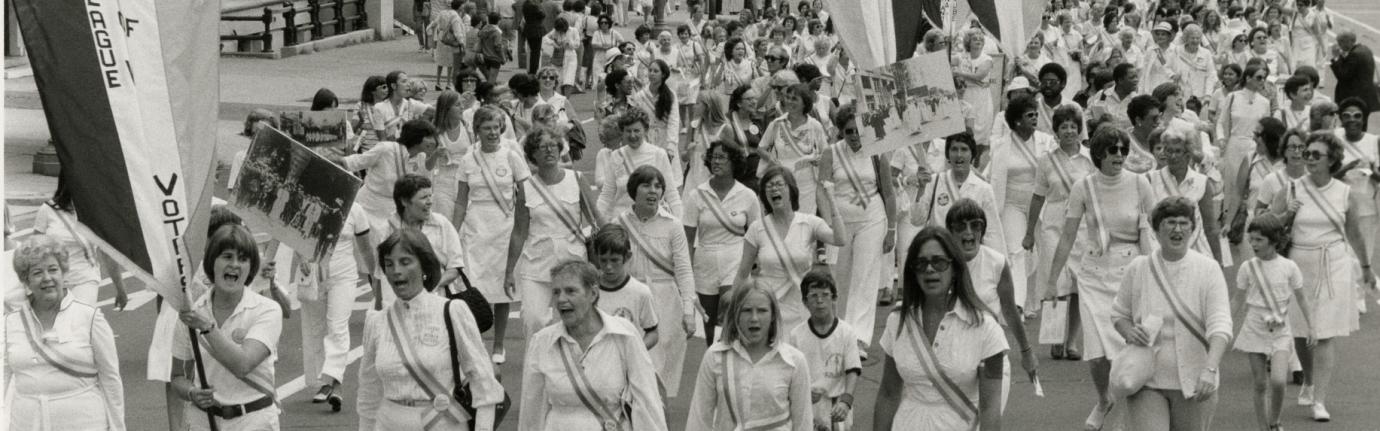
{"x":231,"y":412}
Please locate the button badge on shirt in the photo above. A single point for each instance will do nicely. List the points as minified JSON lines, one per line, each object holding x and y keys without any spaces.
{"x":431,"y":337}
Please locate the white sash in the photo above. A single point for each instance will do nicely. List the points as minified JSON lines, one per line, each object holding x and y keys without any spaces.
{"x":715,"y":207}
{"x":491,"y":181}
{"x":1354,"y":151}
{"x":736,"y":412}
{"x":1176,"y":304}
{"x":1101,"y":235}
{"x":841,"y":160}
{"x":1258,"y":274}
{"x":570,"y":221}
{"x":1025,"y":152}
{"x":610,"y":420}
{"x":953,"y":395}
{"x":785,"y":135}
{"x":627,"y":160}
{"x":1171,"y":189}
{"x":783,"y":253}
{"x":661,"y":261}
{"x":1323,"y":205}
{"x":442,"y":404}
{"x":71,"y":366}
{"x":1061,"y":171}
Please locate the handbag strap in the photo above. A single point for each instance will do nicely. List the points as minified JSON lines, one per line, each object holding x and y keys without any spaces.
{"x":557,"y":208}
{"x":1175,"y":303}
{"x":454,"y":349}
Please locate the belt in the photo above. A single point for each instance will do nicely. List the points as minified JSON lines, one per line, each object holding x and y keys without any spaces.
{"x":413,"y":403}
{"x":231,"y":412}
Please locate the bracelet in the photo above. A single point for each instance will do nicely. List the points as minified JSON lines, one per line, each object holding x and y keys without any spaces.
{"x":846,"y":399}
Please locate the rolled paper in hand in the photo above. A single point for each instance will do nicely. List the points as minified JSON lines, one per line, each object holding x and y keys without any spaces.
{"x":1039,"y":390}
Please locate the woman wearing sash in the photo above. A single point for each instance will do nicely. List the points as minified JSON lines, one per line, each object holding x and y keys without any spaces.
{"x":751,"y":379}
{"x":1326,"y":218}
{"x":614,"y":197}
{"x":957,"y":182}
{"x":717,"y":215}
{"x":795,"y":140}
{"x":1059,"y":170}
{"x":661,"y":259}
{"x":1111,"y":204}
{"x":1298,"y":90}
{"x":944,"y":349}
{"x":237,"y":333}
{"x":1236,"y":121}
{"x":991,"y":275}
{"x":589,"y":372}
{"x":1362,"y":150}
{"x":1259,"y":169}
{"x":1144,"y":111}
{"x":413,"y":196}
{"x":1175,"y":301}
{"x":868,"y":206}
{"x":781,"y":246}
{"x":663,"y":113}
{"x":61,"y":366}
{"x":488,"y":196}
{"x":386,"y":162}
{"x":1292,"y":166}
{"x":745,"y":131}
{"x":550,"y":227}
{"x":87,"y":264}
{"x":1013,"y":173}
{"x":1176,"y":178}
{"x":405,"y":375}
{"x":454,"y":140}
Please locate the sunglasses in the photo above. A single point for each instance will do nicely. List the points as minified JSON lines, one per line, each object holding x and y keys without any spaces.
{"x":1259,"y":77}
{"x":1350,"y":116}
{"x":1314,"y":155}
{"x":939,"y":264}
{"x":775,"y":58}
{"x":1119,"y":149}
{"x":974,"y":226}
{"x":851,"y":131}
{"x":548,"y":78}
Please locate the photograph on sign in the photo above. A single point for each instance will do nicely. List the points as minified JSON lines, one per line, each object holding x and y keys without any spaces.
{"x":906,"y":103}
{"x":316,"y":129}
{"x":293,"y":194}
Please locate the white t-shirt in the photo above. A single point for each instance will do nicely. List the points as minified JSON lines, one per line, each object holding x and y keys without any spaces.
{"x":632,"y":301}
{"x":831,"y":355}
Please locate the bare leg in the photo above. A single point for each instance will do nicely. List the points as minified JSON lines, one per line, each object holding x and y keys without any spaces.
{"x":1279,"y":375}
{"x":1074,"y":336}
{"x":500,"y":326}
{"x":1324,"y":359}
{"x":1260,"y":377}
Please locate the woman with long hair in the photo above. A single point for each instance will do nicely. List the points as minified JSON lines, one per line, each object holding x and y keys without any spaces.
{"x":660,"y":104}
{"x":405,"y":373}
{"x":943,"y":347}
{"x":718,"y":212}
{"x":795,"y":140}
{"x":375,"y":91}
{"x":1236,"y":124}
{"x":453,"y":140}
{"x":1112,"y":204}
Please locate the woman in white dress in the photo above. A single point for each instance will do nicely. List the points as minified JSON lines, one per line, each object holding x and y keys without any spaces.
{"x":781,"y":245}
{"x":1276,"y":61}
{"x":867,"y":202}
{"x":1362,"y":149}
{"x":1298,"y":91}
{"x":559,"y":48}
{"x":1325,"y":216}
{"x":406,"y":375}
{"x":550,"y":227}
{"x":1174,"y":301}
{"x":86,"y":264}
{"x":61,"y":369}
{"x":944,"y":349}
{"x":795,"y":139}
{"x":590,"y":370}
{"x":1177,"y":178}
{"x":662,"y":108}
{"x":751,"y":379}
{"x":489,"y":194}
{"x":454,"y":139}
{"x":974,"y":68}
{"x":687,"y":75}
{"x":604,"y":39}
{"x":1309,"y":34}
{"x":1059,"y":170}
{"x":717,"y":214}
{"x":661,"y":259}
{"x":1236,"y":123}
{"x":1112,"y":204}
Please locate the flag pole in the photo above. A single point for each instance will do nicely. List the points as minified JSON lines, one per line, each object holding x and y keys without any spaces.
{"x":196,"y":345}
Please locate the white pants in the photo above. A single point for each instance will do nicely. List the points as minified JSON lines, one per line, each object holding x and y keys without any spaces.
{"x":536,"y":304}
{"x":81,"y":409}
{"x":326,"y":329}
{"x":86,"y":292}
{"x":859,"y":275}
{"x":1013,"y":229}
{"x":262,"y":420}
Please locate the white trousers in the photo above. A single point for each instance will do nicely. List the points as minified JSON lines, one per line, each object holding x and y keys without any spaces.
{"x":859,"y":275}
{"x":1013,"y":229}
{"x":262,"y":420}
{"x":326,"y":329}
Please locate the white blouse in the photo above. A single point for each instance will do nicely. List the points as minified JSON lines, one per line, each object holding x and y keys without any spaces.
{"x":772,"y":394}
{"x":549,"y":239}
{"x":79,"y":333}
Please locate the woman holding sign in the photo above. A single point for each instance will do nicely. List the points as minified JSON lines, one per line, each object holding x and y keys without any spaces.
{"x":406,"y":375}
{"x":1325,"y":216}
{"x":661,"y":259}
{"x":943,"y":348}
{"x":1112,"y":204}
{"x":550,"y":227}
{"x":1175,"y":301}
{"x":60,"y":354}
{"x":782,"y":244}
{"x":590,"y":371}
{"x":717,"y":215}
{"x":489,"y":194}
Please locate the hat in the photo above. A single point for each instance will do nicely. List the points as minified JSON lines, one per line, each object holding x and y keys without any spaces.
{"x":610,"y":55}
{"x":1018,"y":83}
{"x":1164,"y":26}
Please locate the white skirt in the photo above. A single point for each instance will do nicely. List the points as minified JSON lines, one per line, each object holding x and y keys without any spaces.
{"x":485,"y":236}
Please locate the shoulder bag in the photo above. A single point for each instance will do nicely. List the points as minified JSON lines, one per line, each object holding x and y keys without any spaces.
{"x":479,"y":306}
{"x":462,"y":390}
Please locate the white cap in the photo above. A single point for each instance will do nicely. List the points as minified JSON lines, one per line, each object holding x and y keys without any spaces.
{"x":1164,"y":26}
{"x":1018,"y":83}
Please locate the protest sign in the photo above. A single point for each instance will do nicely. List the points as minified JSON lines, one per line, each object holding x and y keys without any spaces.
{"x":316,"y":129}
{"x":293,"y":194}
{"x":906,"y":103}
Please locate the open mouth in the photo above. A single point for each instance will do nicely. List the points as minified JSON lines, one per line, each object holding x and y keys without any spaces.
{"x":566,"y":310}
{"x":232,"y":275}
{"x":969,"y":242}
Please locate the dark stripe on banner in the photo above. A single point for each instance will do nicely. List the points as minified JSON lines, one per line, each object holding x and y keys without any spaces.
{"x":907,"y":19}
{"x":986,"y":13}
{"x":61,"y":37}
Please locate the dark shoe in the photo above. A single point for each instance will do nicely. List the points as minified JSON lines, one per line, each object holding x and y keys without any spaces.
{"x":1072,"y":354}
{"x":1296,"y":377}
{"x":335,"y":400}
{"x":1056,"y":351}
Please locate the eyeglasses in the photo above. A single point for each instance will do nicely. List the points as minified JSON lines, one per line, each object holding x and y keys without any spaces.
{"x":1122,"y":149}
{"x":1350,"y":116}
{"x":780,"y":87}
{"x":549,"y":78}
{"x":974,"y":226}
{"x":819,"y":296}
{"x":1314,"y":155}
{"x":851,"y":131}
{"x":938,"y":264}
{"x":554,"y":147}
{"x":1182,"y":225}
{"x":775,"y":58}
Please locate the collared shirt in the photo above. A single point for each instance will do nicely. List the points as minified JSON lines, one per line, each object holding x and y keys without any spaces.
{"x":1200,"y":285}
{"x":445,"y":241}
{"x":1108,"y":102}
{"x":960,"y":344}
{"x":666,"y":236}
{"x":932,"y":209}
{"x":776,"y":386}
{"x":382,"y":375}
{"x":613,"y":187}
{"x":79,"y":332}
{"x":1050,"y":185}
{"x":255,"y":318}
{"x":507,"y":168}
{"x":740,"y":205}
{"x":386,"y":162}
{"x":615,"y":365}
{"x":549,"y":239}
{"x":389,"y":119}
{"x":1153,"y":71}
{"x":831,"y":355}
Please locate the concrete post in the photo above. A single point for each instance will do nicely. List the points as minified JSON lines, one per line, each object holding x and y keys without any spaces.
{"x":380,"y":17}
